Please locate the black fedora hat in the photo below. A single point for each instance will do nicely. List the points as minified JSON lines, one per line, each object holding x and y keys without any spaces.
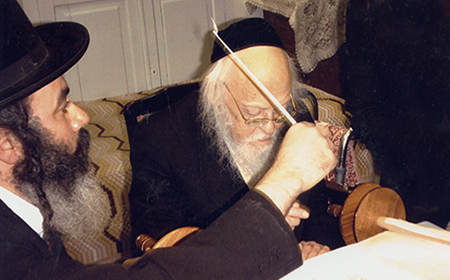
{"x":32,"y":57}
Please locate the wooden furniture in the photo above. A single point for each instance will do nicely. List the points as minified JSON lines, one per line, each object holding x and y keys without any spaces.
{"x":146,"y":243}
{"x":358,"y":217}
{"x":177,"y":236}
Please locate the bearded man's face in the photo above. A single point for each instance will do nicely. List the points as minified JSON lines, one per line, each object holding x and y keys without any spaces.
{"x":48,"y":171}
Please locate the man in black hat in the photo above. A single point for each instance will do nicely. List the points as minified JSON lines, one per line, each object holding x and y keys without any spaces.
{"x":46,"y":191}
{"x":196,"y":158}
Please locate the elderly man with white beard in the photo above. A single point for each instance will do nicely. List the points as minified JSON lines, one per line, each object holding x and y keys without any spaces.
{"x":196,"y":158}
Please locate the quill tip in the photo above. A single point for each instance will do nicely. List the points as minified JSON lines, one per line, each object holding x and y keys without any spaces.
{"x":215,"y":28}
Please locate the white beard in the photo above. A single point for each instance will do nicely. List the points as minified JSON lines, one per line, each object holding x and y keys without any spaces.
{"x":254,"y":161}
{"x":249,"y":160}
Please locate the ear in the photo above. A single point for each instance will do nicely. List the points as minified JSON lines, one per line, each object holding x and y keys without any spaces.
{"x":10,"y":148}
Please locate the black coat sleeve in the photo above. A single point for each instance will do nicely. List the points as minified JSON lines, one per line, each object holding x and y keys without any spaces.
{"x":249,"y":241}
{"x":157,"y":202}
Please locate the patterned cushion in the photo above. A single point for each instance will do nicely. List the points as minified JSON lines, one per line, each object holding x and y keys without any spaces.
{"x":110,"y":156}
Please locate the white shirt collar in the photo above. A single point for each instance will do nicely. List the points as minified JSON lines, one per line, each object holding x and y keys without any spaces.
{"x":29,"y":213}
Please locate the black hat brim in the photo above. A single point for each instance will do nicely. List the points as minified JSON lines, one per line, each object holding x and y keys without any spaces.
{"x":66,"y":43}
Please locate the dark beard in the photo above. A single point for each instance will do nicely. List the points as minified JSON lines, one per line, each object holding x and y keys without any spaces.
{"x":60,"y":185}
{"x":47,"y":162}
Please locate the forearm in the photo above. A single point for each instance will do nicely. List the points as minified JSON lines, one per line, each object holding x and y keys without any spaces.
{"x":249,"y":241}
{"x":281,"y":192}
{"x":300,"y":164}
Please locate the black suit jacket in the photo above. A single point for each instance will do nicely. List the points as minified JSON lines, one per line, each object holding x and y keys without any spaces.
{"x":179,"y":179}
{"x":250,"y":241}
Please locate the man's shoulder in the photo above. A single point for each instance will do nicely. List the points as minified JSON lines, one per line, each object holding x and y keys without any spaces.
{"x":17,"y":237}
{"x":184,"y":111}
{"x":176,"y":125}
{"x":6,"y":214}
{"x":12,"y":225}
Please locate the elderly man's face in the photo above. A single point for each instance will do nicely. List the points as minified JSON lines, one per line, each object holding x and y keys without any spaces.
{"x":57,"y":113}
{"x":271,"y":67}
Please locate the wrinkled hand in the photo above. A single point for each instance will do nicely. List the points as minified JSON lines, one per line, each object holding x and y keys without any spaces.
{"x":296,"y":214}
{"x":311,"y":249}
{"x":307,"y":150}
{"x":305,"y":157}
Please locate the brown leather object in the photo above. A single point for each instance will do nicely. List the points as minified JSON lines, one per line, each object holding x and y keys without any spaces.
{"x":363,"y":207}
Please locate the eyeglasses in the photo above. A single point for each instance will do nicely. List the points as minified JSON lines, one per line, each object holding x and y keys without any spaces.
{"x":257,"y":122}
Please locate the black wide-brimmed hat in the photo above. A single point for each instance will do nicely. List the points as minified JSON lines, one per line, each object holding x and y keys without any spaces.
{"x":244,"y":34}
{"x":32,"y":57}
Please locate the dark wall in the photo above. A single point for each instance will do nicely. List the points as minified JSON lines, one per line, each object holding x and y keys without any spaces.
{"x":395,"y":75}
{"x":394,"y":72}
